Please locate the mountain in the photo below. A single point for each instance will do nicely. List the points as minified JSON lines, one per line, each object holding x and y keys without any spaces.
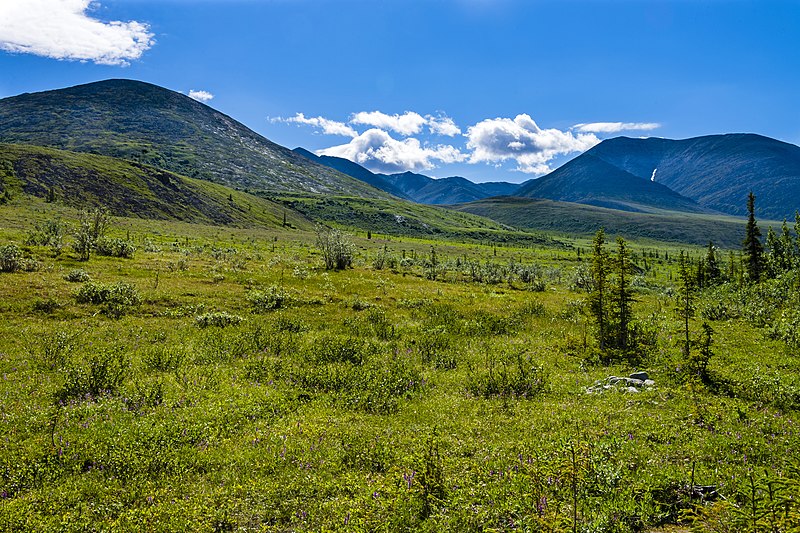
{"x":131,"y":189}
{"x":581,"y":219}
{"x":417,"y":187}
{"x":590,"y":180}
{"x":716,"y":171}
{"x":452,"y":190}
{"x":355,"y":170}
{"x":148,"y":124}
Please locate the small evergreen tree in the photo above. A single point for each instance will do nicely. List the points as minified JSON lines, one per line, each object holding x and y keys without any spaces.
{"x":685,"y":303}
{"x":713,"y":271}
{"x":622,"y":297}
{"x":752,"y":247}
{"x":787,"y":248}
{"x":598,"y":294}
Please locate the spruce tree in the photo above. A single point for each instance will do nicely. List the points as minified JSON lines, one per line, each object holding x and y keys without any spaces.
{"x":752,"y":247}
{"x":622,"y":296}
{"x":787,"y":247}
{"x":598,"y":296}
{"x":685,"y":304}
{"x":713,"y":272}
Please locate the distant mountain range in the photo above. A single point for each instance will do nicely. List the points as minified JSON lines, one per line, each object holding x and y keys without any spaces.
{"x":152,"y":125}
{"x":417,"y":187}
{"x":715,"y":171}
{"x":151,"y":152}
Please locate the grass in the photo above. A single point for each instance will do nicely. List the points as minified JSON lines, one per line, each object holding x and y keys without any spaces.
{"x":368,"y":399}
{"x":578,"y":219}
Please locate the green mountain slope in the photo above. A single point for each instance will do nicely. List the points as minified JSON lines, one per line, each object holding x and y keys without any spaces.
{"x":573,"y":218}
{"x":149,"y":124}
{"x":131,"y":189}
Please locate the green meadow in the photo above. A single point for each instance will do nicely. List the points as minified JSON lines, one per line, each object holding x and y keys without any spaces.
{"x":222,"y":379}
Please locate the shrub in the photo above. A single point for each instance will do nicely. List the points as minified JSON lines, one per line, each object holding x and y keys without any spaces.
{"x":337,"y":349}
{"x":513,"y":374}
{"x":92,"y":227}
{"x":163,"y":358}
{"x":381,"y":325}
{"x":116,"y":298}
{"x":272,"y":298}
{"x":434,"y":345}
{"x":336,"y":247}
{"x":10,"y":258}
{"x":219,"y":319}
{"x":45,"y":305}
{"x":48,"y":233}
{"x":77,"y":275}
{"x":115,"y":248}
{"x":100,"y":375}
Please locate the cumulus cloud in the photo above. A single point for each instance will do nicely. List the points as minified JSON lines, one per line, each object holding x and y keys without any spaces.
{"x":522,"y":140}
{"x":200,"y":96}
{"x":409,"y":123}
{"x":442,"y":125}
{"x":614,"y":127}
{"x":328,"y":127}
{"x":62,"y":29}
{"x":378,"y":151}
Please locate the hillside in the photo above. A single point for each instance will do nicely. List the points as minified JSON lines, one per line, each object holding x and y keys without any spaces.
{"x":590,"y":180}
{"x":131,"y":189}
{"x":155,"y":126}
{"x":579,"y":219}
{"x":417,"y":187}
{"x":716,"y":171}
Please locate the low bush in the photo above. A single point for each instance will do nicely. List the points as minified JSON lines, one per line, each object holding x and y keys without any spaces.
{"x":116,"y":298}
{"x":10,"y":258}
{"x":77,"y":275}
{"x":274,"y":297}
{"x":219,"y":319}
{"x":100,"y":375}
{"x":508,"y":375}
{"x":115,"y":248}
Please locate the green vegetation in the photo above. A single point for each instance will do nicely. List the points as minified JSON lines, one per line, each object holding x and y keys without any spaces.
{"x":578,"y":219}
{"x":223,"y":378}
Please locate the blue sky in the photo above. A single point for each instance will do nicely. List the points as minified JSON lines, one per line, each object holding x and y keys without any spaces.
{"x":486,"y":89}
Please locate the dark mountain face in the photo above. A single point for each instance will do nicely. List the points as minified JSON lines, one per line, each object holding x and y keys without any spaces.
{"x":717,"y":171}
{"x":155,"y":126}
{"x":590,"y":180}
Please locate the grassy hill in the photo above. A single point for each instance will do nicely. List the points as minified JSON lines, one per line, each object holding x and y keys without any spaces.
{"x":401,"y":218}
{"x":131,"y":189}
{"x":572,"y":218}
{"x":155,"y":126}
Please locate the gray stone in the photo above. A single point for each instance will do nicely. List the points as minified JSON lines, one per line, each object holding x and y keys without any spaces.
{"x":640,"y":376}
{"x":631,"y":389}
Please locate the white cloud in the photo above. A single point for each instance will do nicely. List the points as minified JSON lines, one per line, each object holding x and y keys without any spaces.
{"x":62,"y":29}
{"x":377,"y":150}
{"x":442,"y":125}
{"x":409,"y":123}
{"x":200,"y":96}
{"x":522,"y":140}
{"x":328,"y":127}
{"x":614,"y":127}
